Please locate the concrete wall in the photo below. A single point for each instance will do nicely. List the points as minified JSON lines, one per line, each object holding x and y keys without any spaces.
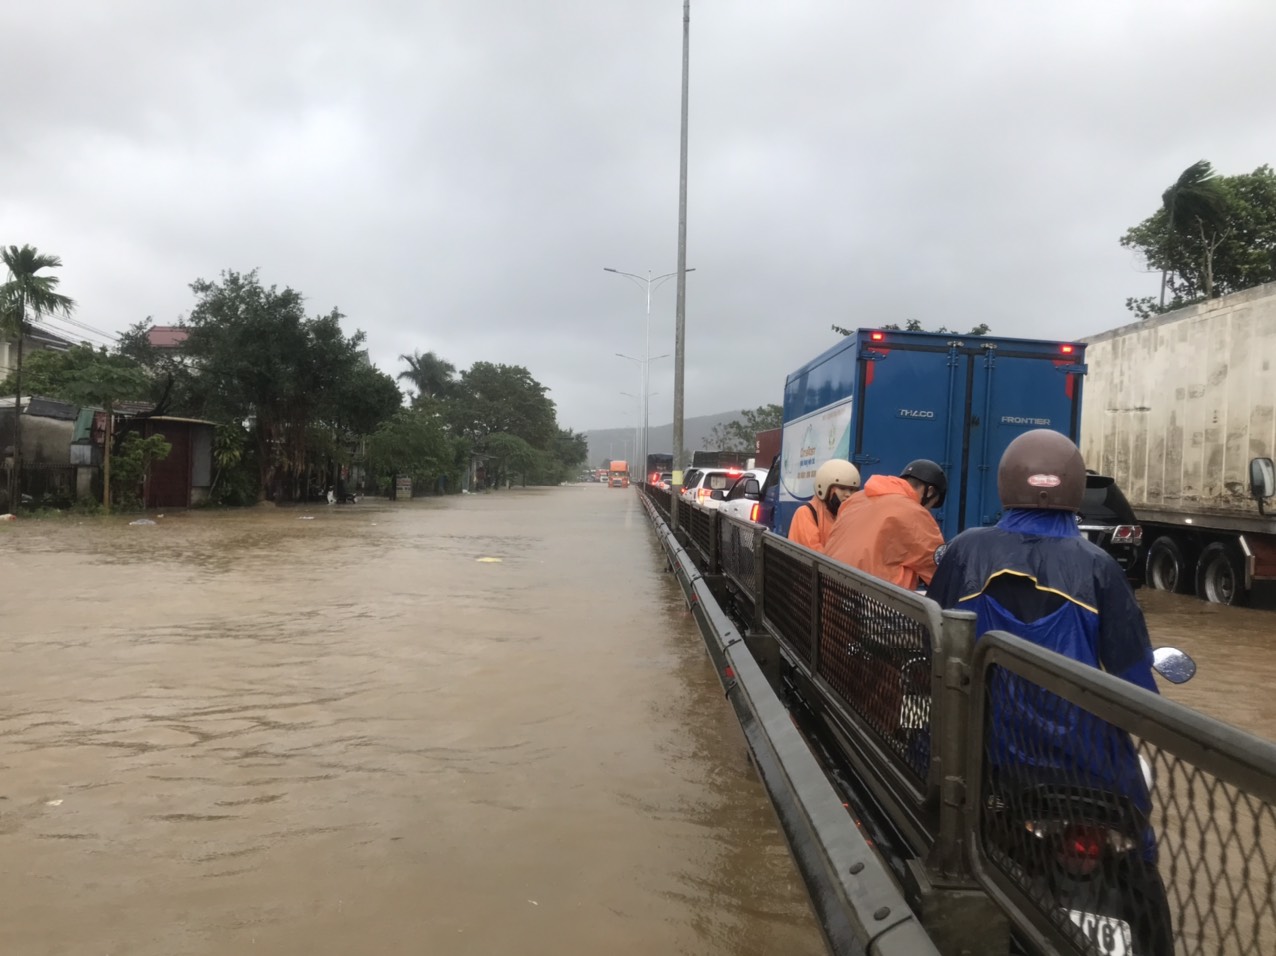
{"x":1175,"y":407}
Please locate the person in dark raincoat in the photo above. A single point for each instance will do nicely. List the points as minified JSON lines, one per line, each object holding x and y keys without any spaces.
{"x":1036,"y":576}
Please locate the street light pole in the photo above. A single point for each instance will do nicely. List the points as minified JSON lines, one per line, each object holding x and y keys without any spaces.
{"x":647,"y":283}
{"x":681,"y":310}
{"x":637,"y":428}
{"x":644,"y":369}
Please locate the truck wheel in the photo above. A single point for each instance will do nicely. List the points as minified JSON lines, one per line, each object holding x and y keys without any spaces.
{"x":1167,"y":569}
{"x":1220,"y":576}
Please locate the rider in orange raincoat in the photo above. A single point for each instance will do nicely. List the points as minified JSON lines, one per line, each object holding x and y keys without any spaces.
{"x":835,"y":481}
{"x":888,"y":530}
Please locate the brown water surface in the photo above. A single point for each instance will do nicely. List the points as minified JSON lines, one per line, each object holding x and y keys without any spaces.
{"x":336,"y":731}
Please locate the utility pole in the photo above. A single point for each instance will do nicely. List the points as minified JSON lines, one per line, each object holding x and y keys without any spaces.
{"x":681,"y":319}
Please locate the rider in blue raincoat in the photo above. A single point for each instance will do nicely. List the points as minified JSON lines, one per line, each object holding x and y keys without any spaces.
{"x":1035,"y":576}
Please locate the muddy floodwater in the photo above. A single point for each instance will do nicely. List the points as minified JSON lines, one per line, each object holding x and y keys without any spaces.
{"x":347,"y":730}
{"x":474,"y":725}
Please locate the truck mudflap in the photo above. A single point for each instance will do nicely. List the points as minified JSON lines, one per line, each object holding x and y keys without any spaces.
{"x":860,"y":908}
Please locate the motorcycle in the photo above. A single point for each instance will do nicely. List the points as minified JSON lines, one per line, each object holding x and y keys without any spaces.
{"x":1083,"y":849}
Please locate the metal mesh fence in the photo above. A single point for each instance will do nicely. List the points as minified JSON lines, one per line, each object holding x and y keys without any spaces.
{"x":660,"y":498}
{"x":735,"y":552}
{"x":1216,"y":847}
{"x":787,"y":589}
{"x":700,"y":529}
{"x":877,"y":659}
{"x":1110,"y":854}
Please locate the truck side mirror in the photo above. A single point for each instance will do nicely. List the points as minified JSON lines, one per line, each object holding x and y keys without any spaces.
{"x":1262,"y":480}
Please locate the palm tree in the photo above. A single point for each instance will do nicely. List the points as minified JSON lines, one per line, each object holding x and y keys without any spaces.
{"x":1194,"y":205}
{"x":429,"y":374}
{"x":25,"y":293}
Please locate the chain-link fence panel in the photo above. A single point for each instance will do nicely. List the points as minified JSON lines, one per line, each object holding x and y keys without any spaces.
{"x":700,"y":530}
{"x":660,"y":498}
{"x":877,"y":660}
{"x":1216,"y":850}
{"x":736,"y":540}
{"x":787,"y":595}
{"x":1110,"y":844}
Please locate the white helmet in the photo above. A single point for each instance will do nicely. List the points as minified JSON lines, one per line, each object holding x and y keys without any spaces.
{"x":836,"y":472}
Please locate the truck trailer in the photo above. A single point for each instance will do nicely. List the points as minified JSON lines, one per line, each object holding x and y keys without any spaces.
{"x":882,"y":398}
{"x":1180,"y":412}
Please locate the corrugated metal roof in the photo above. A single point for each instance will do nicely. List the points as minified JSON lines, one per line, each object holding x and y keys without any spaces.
{"x":178,"y":418}
{"x":52,"y":408}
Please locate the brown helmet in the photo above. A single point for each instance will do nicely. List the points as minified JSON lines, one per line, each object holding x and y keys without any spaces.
{"x":1041,"y":469}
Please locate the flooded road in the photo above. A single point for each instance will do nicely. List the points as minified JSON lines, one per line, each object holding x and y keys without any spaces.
{"x":256,"y":733}
{"x":1235,"y":653}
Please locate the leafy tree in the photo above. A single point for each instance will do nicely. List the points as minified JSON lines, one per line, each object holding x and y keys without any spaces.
{"x":1211,"y":236}
{"x":432,"y":377}
{"x":740,"y":434}
{"x":236,"y":477}
{"x":570,"y":450}
{"x":411,"y":443}
{"x":26,"y":293}
{"x":70,"y":376}
{"x":492,"y":399}
{"x":511,"y":455}
{"x":258,"y":358}
{"x":913,"y":325}
{"x":132,"y":465}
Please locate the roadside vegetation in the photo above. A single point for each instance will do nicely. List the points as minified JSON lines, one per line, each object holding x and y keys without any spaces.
{"x":1212,"y":235}
{"x":298,"y":405}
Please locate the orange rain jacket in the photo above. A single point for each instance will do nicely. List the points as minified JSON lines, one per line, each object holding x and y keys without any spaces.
{"x":885,"y":531}
{"x":812,"y":530}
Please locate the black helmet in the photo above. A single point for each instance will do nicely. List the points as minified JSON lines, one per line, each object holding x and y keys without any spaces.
{"x":1041,"y":469}
{"x":928,"y":473}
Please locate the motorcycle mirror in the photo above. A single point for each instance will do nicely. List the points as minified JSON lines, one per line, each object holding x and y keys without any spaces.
{"x":1174,"y":665}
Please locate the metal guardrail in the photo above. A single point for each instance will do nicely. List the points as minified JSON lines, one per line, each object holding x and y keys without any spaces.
{"x":1069,"y":837}
{"x":861,"y":911}
{"x":1061,"y":854}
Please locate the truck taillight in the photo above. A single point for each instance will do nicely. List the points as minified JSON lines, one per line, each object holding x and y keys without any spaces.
{"x":1067,"y":349}
{"x":753,"y":512}
{"x":704,"y":492}
{"x":1128,"y":534}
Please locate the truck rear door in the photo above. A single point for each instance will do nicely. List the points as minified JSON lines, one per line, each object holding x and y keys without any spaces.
{"x":1015,"y":386}
{"x":910,"y":390}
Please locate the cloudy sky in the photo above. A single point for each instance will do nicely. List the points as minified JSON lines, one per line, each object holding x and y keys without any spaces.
{"x":455,"y":176}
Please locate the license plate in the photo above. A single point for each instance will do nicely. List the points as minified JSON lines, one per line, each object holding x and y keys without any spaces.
{"x":1109,"y":935}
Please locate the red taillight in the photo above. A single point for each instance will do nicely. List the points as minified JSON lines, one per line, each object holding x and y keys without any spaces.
{"x":1067,"y":349}
{"x":1128,"y":534}
{"x":704,"y":492}
{"x":877,"y":336}
{"x":1081,"y":848}
{"x":753,"y":512}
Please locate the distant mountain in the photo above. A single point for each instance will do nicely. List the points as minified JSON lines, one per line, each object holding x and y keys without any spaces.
{"x":611,"y":443}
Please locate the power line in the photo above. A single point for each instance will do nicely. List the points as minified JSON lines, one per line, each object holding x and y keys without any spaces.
{"x":49,"y":326}
{"x":88,"y":328}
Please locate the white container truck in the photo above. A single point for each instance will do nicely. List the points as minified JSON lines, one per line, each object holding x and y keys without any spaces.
{"x":1179,"y":410}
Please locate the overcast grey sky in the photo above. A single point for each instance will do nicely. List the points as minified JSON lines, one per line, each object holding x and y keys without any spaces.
{"x":455,"y":176}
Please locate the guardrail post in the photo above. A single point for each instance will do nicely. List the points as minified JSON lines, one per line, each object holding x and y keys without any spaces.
{"x":715,"y":543}
{"x":949,"y":721}
{"x":959,"y":916}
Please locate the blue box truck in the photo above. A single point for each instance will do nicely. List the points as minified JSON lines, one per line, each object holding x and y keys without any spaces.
{"x":881,"y":398}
